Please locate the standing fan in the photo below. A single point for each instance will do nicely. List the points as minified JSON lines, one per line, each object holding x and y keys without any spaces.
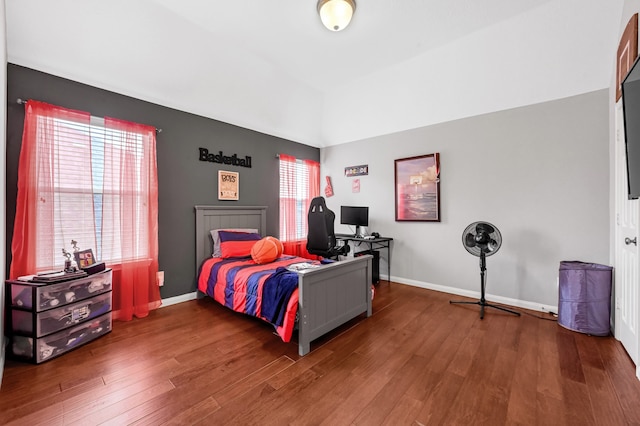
{"x":482,"y":239}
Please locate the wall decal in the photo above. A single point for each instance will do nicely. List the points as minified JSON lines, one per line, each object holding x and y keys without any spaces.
{"x":328,"y":190}
{"x":232,"y":160}
{"x":228,"y":185}
{"x":356,"y":170}
{"x":355,"y":186}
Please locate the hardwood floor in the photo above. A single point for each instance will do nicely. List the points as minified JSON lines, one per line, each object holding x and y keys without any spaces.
{"x":418,"y":360}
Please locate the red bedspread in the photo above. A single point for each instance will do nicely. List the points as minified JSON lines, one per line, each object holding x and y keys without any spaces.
{"x":239,"y":283}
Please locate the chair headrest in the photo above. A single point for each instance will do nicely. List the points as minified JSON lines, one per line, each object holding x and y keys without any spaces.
{"x":318,"y":204}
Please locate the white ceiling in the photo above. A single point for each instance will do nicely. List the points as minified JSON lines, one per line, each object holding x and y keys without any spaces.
{"x":270,"y":65}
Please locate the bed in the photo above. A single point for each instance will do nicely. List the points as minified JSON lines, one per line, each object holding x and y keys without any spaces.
{"x":327,"y":296}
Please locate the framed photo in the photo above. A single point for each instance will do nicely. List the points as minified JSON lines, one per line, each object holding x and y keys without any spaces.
{"x":84,"y":258}
{"x":417,"y":182}
{"x":228,"y":185}
{"x":627,"y":53}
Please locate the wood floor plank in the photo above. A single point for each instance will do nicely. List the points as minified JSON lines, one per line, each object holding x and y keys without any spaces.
{"x":437,"y":405}
{"x":570,"y":363}
{"x":252,"y":381}
{"x":600,"y":388}
{"x":116,"y":404}
{"x":578,"y":408}
{"x":617,"y":366}
{"x":42,"y":405}
{"x":194,"y":413}
{"x":523,"y":396}
{"x":384,"y":402}
{"x":303,"y":364}
{"x":416,"y":360}
{"x":247,"y":410}
{"x":549,"y":364}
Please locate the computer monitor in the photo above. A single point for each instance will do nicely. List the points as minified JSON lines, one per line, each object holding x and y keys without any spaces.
{"x":357,"y":216}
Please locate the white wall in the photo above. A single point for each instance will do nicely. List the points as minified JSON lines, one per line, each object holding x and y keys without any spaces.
{"x":539,"y":173}
{"x":530,"y":58}
{"x":3,"y":151}
{"x":629,"y":8}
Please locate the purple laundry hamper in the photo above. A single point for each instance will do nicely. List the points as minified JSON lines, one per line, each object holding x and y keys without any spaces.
{"x":585,"y":297}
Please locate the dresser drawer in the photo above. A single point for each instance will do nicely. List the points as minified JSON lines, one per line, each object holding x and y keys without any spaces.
{"x":47,"y":322}
{"x":40,"y":297}
{"x":45,"y":348}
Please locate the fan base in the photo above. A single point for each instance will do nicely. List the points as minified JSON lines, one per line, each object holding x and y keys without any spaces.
{"x":482,"y":306}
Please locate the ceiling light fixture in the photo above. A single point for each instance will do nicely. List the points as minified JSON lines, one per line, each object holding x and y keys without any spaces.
{"x":336,"y":14}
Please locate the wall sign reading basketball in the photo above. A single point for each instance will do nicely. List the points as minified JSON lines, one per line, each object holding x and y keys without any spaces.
{"x":232,"y":160}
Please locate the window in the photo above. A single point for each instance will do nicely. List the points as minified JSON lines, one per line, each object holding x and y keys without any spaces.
{"x":294,"y":187}
{"x":299,"y":183}
{"x":83,"y":196}
{"x":94,"y":182}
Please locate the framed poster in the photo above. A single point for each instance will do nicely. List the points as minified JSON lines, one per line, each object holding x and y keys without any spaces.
{"x":355,"y":186}
{"x":417,"y":182}
{"x":228,"y":185}
{"x":627,"y":53}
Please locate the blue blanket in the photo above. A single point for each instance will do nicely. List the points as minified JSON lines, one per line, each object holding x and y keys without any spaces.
{"x":276,"y":294}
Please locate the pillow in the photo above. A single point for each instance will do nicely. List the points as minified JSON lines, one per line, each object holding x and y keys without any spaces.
{"x":216,"y":237}
{"x":265,"y":251}
{"x":278,"y":243}
{"x":236,"y":244}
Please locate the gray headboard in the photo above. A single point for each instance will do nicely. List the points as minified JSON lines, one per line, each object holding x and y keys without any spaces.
{"x":217,"y":217}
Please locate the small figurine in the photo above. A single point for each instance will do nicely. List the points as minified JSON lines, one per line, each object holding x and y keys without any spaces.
{"x":67,"y":262}
{"x":74,"y":244}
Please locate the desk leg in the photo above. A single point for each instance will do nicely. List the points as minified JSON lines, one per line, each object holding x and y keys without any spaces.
{"x":388,"y":263}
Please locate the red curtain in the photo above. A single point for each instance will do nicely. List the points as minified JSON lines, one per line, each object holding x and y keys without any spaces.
{"x":57,"y":193}
{"x":299,"y":183}
{"x":130,"y":216}
{"x":45,"y":165}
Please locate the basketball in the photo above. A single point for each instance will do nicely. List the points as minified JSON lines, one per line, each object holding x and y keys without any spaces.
{"x":278,"y":243}
{"x":264,"y":251}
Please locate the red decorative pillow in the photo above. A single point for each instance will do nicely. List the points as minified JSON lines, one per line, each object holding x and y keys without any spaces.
{"x":215,"y":236}
{"x":265,"y":250}
{"x":236,"y":249}
{"x":236,"y":244}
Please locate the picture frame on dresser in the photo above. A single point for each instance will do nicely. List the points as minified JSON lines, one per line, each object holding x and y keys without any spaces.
{"x":84,"y":258}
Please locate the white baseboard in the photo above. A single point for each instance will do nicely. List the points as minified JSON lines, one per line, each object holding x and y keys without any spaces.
{"x":444,"y":289}
{"x":178,"y":299}
{"x":476,"y":295}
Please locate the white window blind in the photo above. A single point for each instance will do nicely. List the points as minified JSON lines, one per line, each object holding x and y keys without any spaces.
{"x":294,"y":187}
{"x":82,"y":200}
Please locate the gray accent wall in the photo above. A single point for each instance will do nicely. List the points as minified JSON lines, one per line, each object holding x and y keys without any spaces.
{"x":183,"y":180}
{"x":3,"y":115}
{"x":539,"y":173}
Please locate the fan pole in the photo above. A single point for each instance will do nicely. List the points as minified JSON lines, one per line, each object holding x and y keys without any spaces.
{"x":483,"y":268}
{"x":483,"y":302}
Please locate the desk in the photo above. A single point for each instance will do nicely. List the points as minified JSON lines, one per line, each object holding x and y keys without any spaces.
{"x":374,"y":244}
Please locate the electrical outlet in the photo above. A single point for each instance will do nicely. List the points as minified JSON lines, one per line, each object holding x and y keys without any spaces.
{"x":160,"y":278}
{"x":547,"y":311}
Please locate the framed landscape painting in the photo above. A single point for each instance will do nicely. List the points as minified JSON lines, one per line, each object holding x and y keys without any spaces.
{"x":417,"y":182}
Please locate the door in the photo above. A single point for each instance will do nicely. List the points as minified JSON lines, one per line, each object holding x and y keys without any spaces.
{"x":627,"y":297}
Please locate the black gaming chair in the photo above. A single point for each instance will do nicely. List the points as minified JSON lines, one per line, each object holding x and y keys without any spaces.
{"x":321,"y":239}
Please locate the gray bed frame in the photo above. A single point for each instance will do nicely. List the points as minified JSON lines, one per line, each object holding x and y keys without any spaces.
{"x":329,"y":296}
